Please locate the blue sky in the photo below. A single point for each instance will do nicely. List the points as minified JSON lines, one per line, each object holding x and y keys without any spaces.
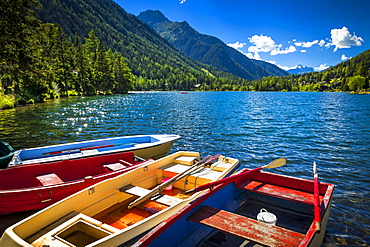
{"x":313,"y":33}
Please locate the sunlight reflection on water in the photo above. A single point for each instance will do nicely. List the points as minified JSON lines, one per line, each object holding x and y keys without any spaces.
{"x":256,"y":127}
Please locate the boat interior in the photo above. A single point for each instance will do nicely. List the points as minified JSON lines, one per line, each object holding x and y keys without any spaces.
{"x":34,"y":175}
{"x":83,"y":147}
{"x":108,"y":214}
{"x":236,"y":222}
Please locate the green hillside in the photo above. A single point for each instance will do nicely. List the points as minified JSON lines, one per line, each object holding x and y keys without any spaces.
{"x":155,"y":62}
{"x":208,"y":49}
{"x":351,"y":75}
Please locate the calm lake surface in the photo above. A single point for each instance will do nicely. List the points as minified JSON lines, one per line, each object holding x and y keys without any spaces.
{"x":332,"y":129}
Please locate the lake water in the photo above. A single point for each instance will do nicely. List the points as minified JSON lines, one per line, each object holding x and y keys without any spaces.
{"x":332,"y":129}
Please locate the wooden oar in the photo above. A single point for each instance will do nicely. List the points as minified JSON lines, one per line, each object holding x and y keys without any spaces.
{"x":206,"y":160}
{"x":317,"y":215}
{"x":276,"y":163}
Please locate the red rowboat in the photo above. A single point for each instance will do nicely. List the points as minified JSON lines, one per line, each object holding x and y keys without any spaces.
{"x":35,"y":186}
{"x":252,"y":207}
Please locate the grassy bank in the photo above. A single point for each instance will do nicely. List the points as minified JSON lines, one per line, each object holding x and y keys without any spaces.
{"x":6,"y":101}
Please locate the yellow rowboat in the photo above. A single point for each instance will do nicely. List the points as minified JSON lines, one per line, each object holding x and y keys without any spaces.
{"x":119,"y":209}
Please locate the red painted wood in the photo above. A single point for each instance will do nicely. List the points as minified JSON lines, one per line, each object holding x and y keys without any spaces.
{"x":247,"y":228}
{"x":317,"y":213}
{"x":21,"y":190}
{"x":278,"y":191}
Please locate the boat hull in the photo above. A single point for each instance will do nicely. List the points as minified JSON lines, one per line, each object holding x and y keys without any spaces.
{"x":291,"y":200}
{"x":144,"y":146}
{"x":36,"y":186}
{"x":101,"y":207}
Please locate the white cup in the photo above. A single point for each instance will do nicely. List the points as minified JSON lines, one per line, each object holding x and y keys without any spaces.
{"x":266,"y":217}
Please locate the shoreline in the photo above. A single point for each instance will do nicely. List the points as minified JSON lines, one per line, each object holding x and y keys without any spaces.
{"x":156,"y":91}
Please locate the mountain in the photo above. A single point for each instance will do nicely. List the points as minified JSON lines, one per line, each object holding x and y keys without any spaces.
{"x":208,"y":49}
{"x":149,"y":55}
{"x":300,"y":69}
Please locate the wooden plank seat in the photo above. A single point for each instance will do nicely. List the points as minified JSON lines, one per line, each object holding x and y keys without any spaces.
{"x":114,"y":166}
{"x":246,"y":228}
{"x":139,"y":191}
{"x":49,"y":179}
{"x":279,"y":191}
{"x":118,"y":166}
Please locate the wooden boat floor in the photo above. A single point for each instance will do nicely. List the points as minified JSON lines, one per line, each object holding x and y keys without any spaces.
{"x":120,"y":216}
{"x":177,"y":193}
{"x":246,"y":228}
{"x":286,"y":218}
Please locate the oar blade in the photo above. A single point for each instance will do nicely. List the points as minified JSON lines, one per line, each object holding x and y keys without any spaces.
{"x":276,"y":163}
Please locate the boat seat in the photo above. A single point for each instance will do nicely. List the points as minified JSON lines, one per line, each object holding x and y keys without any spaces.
{"x":139,"y":191}
{"x":125,"y":163}
{"x":246,"y":228}
{"x":49,"y":179}
{"x":118,"y":166}
{"x":114,"y":166}
{"x":278,"y":191}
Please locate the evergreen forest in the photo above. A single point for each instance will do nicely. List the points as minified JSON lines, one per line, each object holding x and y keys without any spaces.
{"x":59,"y":48}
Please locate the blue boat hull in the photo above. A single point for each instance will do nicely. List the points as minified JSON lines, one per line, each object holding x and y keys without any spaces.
{"x":144,"y":146}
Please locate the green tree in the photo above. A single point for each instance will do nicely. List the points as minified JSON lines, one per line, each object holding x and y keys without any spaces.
{"x":17,"y":26}
{"x":80,"y":66}
{"x":356,"y":83}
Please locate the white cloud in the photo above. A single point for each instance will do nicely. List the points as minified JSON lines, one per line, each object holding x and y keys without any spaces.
{"x":344,"y":57}
{"x":303,"y":50}
{"x":322,"y":67}
{"x":285,"y":67}
{"x":267,"y":44}
{"x":321,"y":43}
{"x":342,"y":38}
{"x":182,"y":1}
{"x":281,"y":66}
{"x":306,"y":44}
{"x":261,"y":44}
{"x":249,"y":55}
{"x":277,"y":51}
{"x":237,"y":45}
{"x":253,"y":55}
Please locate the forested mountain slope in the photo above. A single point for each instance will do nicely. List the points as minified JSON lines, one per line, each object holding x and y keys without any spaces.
{"x":148,"y":54}
{"x":208,"y":49}
{"x":351,"y":75}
